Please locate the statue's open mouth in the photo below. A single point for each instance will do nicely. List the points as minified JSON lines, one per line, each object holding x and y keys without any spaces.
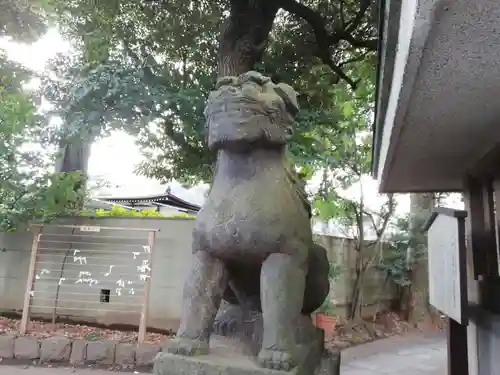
{"x":236,"y":122}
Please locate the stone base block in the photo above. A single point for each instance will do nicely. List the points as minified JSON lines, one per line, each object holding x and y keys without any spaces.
{"x":102,"y":352}
{"x":55,"y":349}
{"x":227,"y":358}
{"x":125,"y":354}
{"x":7,"y":347}
{"x":27,"y":347}
{"x":146,"y":353}
{"x":78,"y":352}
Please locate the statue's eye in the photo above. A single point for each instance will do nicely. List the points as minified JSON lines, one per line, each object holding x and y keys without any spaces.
{"x":289,"y":130}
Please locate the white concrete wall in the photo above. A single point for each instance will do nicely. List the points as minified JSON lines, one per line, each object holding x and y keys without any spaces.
{"x":376,"y":294}
{"x":169,"y":210}
{"x":171,"y":259}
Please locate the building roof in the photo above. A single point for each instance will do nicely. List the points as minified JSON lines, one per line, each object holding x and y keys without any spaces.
{"x":437,"y":93}
{"x":167,"y":199}
{"x":385,"y":68}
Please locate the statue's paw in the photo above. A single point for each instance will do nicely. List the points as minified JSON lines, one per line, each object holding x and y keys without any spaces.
{"x":226,"y":326}
{"x":187,"y":346}
{"x":228,"y":321}
{"x":276,"y":359}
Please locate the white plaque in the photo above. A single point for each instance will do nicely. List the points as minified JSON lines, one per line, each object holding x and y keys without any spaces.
{"x":447,"y":268}
{"x":84,"y":228}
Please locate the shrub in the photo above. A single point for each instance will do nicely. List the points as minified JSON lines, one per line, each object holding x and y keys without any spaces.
{"x":328,"y":307}
{"x":118,"y":211}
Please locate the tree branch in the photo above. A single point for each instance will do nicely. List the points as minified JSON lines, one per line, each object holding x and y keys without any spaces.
{"x":341,"y":15}
{"x":356,"y":21}
{"x":370,"y":44}
{"x":372,"y":219}
{"x":178,"y":138}
{"x":148,"y":72}
{"x":387,"y":217}
{"x":323,"y":40}
{"x":354,"y":59}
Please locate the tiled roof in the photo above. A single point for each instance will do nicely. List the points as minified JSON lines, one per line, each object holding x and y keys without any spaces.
{"x":167,"y":199}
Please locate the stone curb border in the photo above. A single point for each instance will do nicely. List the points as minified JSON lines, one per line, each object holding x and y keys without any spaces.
{"x":77,"y":352}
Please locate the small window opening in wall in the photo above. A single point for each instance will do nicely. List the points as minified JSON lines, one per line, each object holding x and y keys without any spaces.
{"x":105,"y":295}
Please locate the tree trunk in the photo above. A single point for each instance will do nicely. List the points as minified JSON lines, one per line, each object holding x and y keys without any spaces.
{"x":243,"y":40}
{"x":416,"y":295}
{"x":74,"y":156}
{"x":244,"y":36}
{"x":356,"y":293}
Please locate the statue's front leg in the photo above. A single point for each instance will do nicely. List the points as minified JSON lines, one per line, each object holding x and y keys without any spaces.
{"x":201,"y":299}
{"x":282,"y":292}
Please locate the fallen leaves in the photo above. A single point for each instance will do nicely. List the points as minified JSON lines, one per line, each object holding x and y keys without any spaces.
{"x":346,"y":334}
{"x":384,"y":325}
{"x":76,"y":331}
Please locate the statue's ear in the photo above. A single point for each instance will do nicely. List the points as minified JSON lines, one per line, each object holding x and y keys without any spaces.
{"x":225,"y":81}
{"x":289,"y":97}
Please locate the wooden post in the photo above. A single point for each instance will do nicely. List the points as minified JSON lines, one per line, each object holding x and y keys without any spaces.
{"x":456,"y":339}
{"x":31,"y":278}
{"x":482,"y":260}
{"x":147,"y":287}
{"x":496,"y":192}
{"x":479,"y":199}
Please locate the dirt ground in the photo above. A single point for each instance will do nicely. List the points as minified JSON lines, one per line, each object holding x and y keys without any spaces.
{"x":345,"y":335}
{"x":348,"y":334}
{"x":76,"y":331}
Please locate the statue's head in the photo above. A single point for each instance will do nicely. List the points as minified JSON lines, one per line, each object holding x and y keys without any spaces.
{"x":250,"y":110}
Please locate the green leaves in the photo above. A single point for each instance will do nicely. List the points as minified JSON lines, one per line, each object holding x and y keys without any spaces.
{"x":28,"y":191}
{"x":347,"y":109}
{"x":147,"y":68}
{"x":395,"y":260}
{"x":118,"y":211}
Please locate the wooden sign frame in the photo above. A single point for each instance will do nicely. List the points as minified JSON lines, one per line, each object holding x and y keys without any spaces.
{"x":448,"y":263}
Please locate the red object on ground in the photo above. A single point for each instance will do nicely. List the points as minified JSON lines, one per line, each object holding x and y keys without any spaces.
{"x":326,"y":323}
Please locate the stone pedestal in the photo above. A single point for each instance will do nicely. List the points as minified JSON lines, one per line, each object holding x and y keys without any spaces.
{"x":228,"y":356}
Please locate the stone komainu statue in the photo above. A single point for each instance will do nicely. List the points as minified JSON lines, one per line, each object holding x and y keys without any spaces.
{"x":252,"y":241}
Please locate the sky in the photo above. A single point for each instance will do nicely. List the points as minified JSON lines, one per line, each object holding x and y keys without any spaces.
{"x":113,"y":158}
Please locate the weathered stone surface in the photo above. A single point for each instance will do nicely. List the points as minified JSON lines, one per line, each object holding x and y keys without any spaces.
{"x":7,"y":347}
{"x":252,"y":241}
{"x":27,"y":347}
{"x":220,"y":364}
{"x":101,"y":352}
{"x":146,"y":353}
{"x":55,"y":349}
{"x":78,"y":352}
{"x":125,"y":354}
{"x":170,"y":364}
{"x":229,"y":356}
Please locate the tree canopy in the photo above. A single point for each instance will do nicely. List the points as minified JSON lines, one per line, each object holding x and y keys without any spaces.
{"x":28,"y":189}
{"x":23,"y":20}
{"x":147,"y":67}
